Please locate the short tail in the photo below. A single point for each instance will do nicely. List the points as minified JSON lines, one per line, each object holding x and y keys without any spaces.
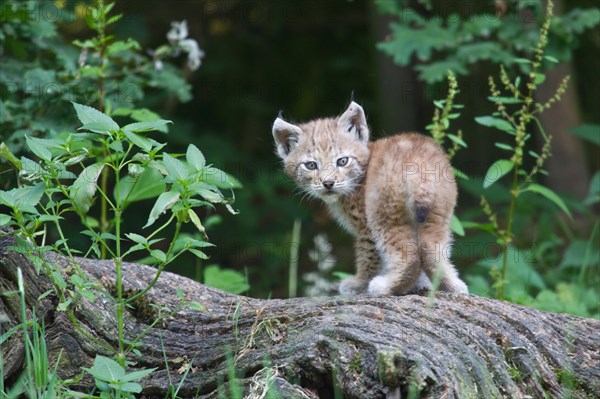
{"x":421,"y":211}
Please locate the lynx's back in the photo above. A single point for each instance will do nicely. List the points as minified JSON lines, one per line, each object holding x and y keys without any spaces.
{"x":396,"y":195}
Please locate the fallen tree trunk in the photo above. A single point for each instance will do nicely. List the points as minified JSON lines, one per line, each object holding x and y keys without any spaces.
{"x":451,"y":346}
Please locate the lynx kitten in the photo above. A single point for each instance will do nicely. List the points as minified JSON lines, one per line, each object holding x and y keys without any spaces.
{"x":395,"y":195}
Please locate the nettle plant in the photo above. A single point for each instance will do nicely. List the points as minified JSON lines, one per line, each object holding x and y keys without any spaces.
{"x":65,"y":183}
{"x":517,"y":116}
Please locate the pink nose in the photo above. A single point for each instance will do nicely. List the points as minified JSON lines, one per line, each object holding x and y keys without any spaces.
{"x":328,"y":184}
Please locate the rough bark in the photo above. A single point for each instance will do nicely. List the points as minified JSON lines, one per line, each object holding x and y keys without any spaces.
{"x":451,"y":346}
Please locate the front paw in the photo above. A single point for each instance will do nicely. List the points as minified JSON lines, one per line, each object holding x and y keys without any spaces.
{"x":352,"y":286}
{"x":380,"y":285}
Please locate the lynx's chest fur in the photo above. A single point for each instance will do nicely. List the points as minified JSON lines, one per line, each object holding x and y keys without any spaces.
{"x":395,"y":195}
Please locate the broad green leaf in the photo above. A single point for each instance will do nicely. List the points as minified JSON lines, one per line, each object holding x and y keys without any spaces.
{"x":106,"y":369}
{"x":39,"y":148}
{"x":195,"y":158}
{"x":551,"y":195}
{"x":496,"y":171}
{"x":143,"y":142}
{"x":198,"y":253}
{"x":164,"y":202}
{"x":84,"y":188}
{"x":89,"y":115}
{"x":137,"y":238}
{"x":146,"y":126}
{"x":456,"y":226}
{"x":225,"y":279}
{"x":4,"y":219}
{"x":158,"y":255}
{"x":498,"y":123}
{"x":207,"y":191}
{"x":551,"y":59}
{"x":175,"y":168}
{"x":137,"y":375}
{"x":23,"y":198}
{"x":149,"y":184}
{"x":132,"y":387}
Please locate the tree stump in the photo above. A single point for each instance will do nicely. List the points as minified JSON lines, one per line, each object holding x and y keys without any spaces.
{"x":449,"y":346}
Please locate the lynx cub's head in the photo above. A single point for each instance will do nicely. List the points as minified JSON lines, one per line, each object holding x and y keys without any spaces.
{"x":326,"y":157}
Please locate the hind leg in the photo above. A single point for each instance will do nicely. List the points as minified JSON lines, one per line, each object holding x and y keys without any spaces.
{"x":435,"y":247}
{"x":399,"y":252}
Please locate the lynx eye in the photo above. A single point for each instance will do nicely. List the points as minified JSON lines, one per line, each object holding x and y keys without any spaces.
{"x":342,"y":161}
{"x":310,"y":165}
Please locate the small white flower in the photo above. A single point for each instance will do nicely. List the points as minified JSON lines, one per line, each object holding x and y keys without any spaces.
{"x":179,"y":31}
{"x":158,"y":65}
{"x":195,"y":54}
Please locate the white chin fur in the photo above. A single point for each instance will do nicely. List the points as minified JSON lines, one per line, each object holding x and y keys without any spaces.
{"x":379,"y":286}
{"x":330,"y":198}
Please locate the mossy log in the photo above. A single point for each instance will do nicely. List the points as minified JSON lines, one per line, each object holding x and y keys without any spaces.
{"x":450,"y":346}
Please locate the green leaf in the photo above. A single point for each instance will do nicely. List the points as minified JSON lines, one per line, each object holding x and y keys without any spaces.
{"x":198,"y":253}
{"x":196,"y":220}
{"x":551,"y":195}
{"x":146,"y":126}
{"x":132,"y":387}
{"x":457,"y":140}
{"x":149,"y":184}
{"x":9,"y":156}
{"x":106,"y":369}
{"x":39,"y":148}
{"x":175,"y":168}
{"x":84,"y":188}
{"x":594,"y":191}
{"x":137,"y":375}
{"x":4,"y":219}
{"x":504,"y":146}
{"x":539,"y":78}
{"x":505,"y":100}
{"x":551,"y":59}
{"x":456,"y":226}
{"x":137,"y":238}
{"x":522,"y":61}
{"x":195,"y":158}
{"x":588,"y":132}
{"x":225,"y":279}
{"x":88,"y":115}
{"x":158,"y":255}
{"x":164,"y":202}
{"x":498,"y":123}
{"x":23,"y":198}
{"x":143,"y":142}
{"x":496,"y":171}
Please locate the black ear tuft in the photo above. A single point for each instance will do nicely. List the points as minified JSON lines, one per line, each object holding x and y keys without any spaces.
{"x":280,"y":115}
{"x":352,"y":96}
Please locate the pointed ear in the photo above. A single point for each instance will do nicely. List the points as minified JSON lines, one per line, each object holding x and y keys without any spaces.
{"x":353,"y":121}
{"x":286,"y":136}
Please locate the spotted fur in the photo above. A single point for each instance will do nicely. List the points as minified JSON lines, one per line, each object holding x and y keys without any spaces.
{"x":395,"y":195}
